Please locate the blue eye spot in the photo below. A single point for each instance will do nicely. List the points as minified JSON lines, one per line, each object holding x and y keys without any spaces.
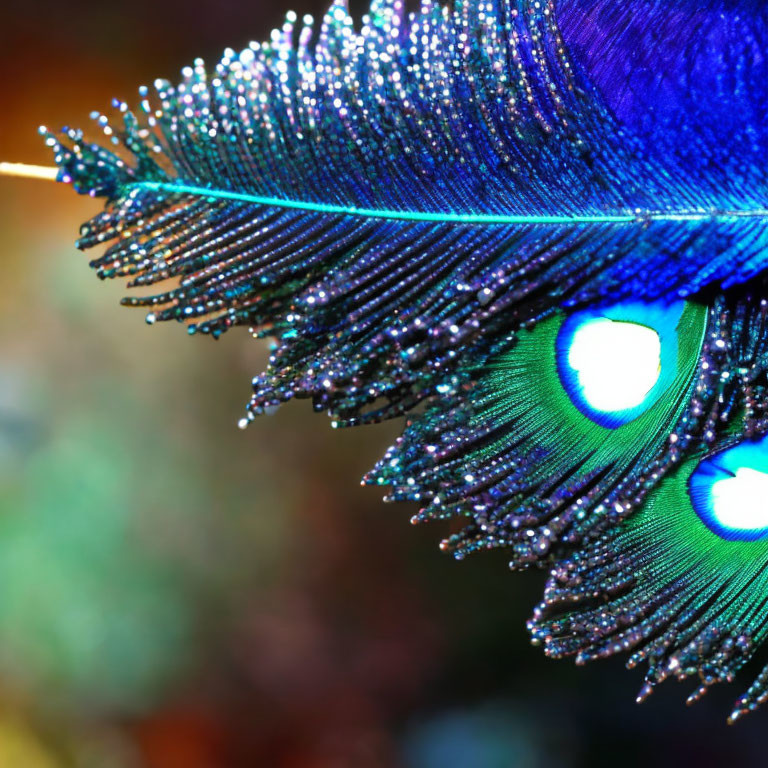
{"x":616,"y":362}
{"x":729,"y":492}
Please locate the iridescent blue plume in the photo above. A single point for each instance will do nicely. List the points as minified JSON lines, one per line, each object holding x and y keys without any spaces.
{"x":480,"y":209}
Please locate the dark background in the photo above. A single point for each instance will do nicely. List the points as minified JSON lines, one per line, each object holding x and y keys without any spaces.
{"x":175,"y":593}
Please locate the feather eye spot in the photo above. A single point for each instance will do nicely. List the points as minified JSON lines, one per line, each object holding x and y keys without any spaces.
{"x":616,"y":362}
{"x":729,"y":491}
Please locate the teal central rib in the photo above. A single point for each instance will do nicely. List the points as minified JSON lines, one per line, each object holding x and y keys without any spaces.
{"x":445,"y":218}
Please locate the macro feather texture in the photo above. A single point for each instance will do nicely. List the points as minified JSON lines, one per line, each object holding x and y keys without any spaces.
{"x":427,"y":212}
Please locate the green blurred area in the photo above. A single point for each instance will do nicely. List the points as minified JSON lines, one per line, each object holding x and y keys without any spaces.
{"x":177,"y":593}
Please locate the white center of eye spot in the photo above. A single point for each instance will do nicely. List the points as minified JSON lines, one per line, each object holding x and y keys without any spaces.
{"x":617,"y":363}
{"x":741,"y":501}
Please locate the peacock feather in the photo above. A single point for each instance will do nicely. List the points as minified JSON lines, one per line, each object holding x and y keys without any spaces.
{"x":537,"y":229}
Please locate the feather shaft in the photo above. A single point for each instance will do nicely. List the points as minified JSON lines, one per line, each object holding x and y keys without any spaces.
{"x":25,"y":171}
{"x":448,"y":218}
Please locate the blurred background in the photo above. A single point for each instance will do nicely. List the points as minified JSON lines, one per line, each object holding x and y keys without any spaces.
{"x":176,"y":593}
